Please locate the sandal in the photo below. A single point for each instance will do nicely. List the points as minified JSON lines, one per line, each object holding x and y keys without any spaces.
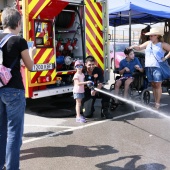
{"x":157,"y":106}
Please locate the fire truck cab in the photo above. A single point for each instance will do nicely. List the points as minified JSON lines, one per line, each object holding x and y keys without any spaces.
{"x":62,"y":31}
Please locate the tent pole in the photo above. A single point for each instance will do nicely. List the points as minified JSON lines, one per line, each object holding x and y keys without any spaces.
{"x":130,"y":27}
{"x":114,"y":43}
{"x":114,"y":47}
{"x":112,"y":36}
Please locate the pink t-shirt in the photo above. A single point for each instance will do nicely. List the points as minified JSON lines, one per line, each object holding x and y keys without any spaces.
{"x":78,"y":88}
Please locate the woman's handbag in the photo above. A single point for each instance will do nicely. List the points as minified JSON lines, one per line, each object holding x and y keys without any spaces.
{"x":5,"y":73}
{"x":164,"y":66}
{"x":165,"y":69}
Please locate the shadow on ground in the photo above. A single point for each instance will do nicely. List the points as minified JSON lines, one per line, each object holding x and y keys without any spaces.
{"x":69,"y":150}
{"x":51,"y":107}
{"x":130,"y":165}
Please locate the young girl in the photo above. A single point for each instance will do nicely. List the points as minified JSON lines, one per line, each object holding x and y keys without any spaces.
{"x":78,"y":90}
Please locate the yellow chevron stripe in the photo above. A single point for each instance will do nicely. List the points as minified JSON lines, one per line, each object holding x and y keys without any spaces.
{"x":31,"y":5}
{"x":53,"y":74}
{"x":33,"y":73}
{"x":38,"y":33}
{"x":94,"y":28}
{"x":97,"y":8}
{"x":29,"y":25}
{"x":41,"y":84}
{"x":29,"y":28}
{"x":64,"y":72}
{"x":95,"y":55}
{"x":45,"y":72}
{"x":45,"y":55}
{"x":42,"y":59}
{"x":94,"y":16}
{"x":41,"y":8}
{"x":94,"y":41}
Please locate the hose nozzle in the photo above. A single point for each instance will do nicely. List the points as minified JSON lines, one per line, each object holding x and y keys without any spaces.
{"x":91,"y":85}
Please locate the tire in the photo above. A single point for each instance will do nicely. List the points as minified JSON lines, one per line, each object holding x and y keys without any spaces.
{"x":131,"y":95}
{"x":112,"y":105}
{"x":134,"y":108}
{"x":168,"y":90}
{"x":131,"y":91}
{"x":112,"y":87}
{"x":145,"y":97}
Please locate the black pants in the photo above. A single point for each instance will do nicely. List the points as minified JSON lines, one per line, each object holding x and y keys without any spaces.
{"x":88,"y":102}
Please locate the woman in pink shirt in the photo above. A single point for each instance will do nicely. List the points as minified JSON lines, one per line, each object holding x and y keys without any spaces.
{"x":78,"y":90}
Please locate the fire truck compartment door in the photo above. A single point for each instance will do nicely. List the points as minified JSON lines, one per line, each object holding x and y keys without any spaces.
{"x":52,"y":9}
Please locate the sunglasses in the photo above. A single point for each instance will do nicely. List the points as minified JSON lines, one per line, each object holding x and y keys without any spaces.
{"x":79,"y":66}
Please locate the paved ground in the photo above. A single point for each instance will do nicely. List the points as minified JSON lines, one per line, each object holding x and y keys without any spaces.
{"x":137,"y":140}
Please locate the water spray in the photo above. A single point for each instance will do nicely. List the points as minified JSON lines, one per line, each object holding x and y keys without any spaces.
{"x":91,"y":86}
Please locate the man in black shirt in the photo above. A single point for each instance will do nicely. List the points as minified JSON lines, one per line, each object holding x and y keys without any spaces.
{"x":94,"y":74}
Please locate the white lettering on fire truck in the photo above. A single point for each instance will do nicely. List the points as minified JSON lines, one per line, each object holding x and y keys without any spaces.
{"x":43,"y":67}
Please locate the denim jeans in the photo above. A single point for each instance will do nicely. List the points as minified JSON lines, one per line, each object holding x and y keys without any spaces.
{"x":12,"y":108}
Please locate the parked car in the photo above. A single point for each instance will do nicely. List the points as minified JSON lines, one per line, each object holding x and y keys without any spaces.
{"x":119,"y":53}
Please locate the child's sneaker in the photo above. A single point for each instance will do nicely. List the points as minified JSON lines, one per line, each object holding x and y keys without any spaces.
{"x":80,"y":119}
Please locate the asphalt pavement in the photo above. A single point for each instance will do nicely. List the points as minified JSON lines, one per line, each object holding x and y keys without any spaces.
{"x":132,"y":140}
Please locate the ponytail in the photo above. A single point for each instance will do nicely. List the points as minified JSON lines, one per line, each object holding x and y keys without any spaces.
{"x":160,"y":38}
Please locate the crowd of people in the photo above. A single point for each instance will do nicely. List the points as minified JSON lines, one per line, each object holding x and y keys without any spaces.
{"x":155,"y":50}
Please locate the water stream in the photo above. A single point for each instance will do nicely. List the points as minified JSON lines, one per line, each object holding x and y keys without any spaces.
{"x":133,"y":103}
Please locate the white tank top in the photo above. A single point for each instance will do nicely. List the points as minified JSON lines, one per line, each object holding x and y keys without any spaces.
{"x":152,"y":51}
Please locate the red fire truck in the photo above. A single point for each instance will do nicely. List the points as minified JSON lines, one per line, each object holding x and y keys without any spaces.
{"x":62,"y":31}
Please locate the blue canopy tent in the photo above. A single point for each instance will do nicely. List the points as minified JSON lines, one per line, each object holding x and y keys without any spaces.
{"x":123,"y":12}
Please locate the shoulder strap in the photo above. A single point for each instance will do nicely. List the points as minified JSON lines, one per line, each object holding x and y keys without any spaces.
{"x":3,"y":42}
{"x":154,"y":54}
{"x":155,"y":57}
{"x":5,"y":39}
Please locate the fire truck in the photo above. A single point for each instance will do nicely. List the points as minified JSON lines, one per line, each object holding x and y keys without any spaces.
{"x":63,"y":31}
